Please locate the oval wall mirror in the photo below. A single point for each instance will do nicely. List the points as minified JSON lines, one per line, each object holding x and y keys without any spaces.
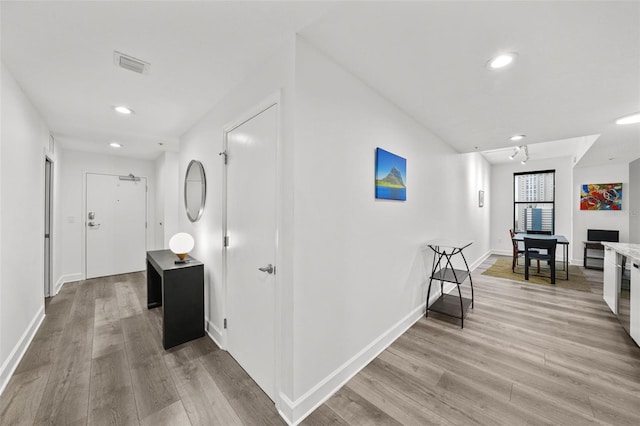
{"x":195,"y":190}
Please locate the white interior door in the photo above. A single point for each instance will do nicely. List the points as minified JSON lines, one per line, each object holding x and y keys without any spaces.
{"x":48,"y":201}
{"x":251,"y":228}
{"x":116,"y":234}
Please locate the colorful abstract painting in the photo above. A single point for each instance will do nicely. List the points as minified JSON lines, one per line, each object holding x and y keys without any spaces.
{"x":601,"y":196}
{"x":391,"y":176}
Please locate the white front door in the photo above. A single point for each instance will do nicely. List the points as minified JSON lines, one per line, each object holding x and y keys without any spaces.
{"x":115,"y":220}
{"x":251,"y":228}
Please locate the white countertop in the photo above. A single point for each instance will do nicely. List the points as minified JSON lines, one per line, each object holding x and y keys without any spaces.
{"x":626,"y":249}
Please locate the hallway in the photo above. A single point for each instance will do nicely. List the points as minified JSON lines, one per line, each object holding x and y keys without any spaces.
{"x":529,"y":354}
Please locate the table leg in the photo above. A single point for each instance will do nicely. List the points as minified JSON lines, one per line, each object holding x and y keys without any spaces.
{"x":565,"y":252}
{"x":154,"y":287}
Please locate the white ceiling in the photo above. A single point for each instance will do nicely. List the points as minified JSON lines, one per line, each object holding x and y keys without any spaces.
{"x":61,"y":53}
{"x":578,"y":66}
{"x":577,"y":70}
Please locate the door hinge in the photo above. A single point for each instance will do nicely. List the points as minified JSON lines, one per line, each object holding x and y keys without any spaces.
{"x":225,"y":323}
{"x":224,"y":153}
{"x":225,"y":241}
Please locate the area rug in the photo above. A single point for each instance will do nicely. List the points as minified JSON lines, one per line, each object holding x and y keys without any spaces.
{"x":502,"y":269}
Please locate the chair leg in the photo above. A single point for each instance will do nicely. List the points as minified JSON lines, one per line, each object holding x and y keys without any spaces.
{"x":538,"y":265}
{"x":553,"y":272}
{"x":527,"y":261}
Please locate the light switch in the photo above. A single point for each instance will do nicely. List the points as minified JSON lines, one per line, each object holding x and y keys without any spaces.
{"x":71,"y":219}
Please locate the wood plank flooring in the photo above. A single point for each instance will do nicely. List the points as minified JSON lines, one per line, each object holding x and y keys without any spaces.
{"x":528,"y":355}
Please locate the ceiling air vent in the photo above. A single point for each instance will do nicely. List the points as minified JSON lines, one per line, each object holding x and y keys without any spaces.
{"x":130,"y":63}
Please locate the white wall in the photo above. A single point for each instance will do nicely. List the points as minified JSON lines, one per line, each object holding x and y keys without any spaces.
{"x":24,"y":138}
{"x":70,"y":243}
{"x":351,"y":270}
{"x":360,"y":274}
{"x":502,"y":199}
{"x":598,"y":219}
{"x":204,"y":142}
{"x":634,"y":202}
{"x":56,"y":222}
{"x":3,"y":357}
{"x":167,"y":203}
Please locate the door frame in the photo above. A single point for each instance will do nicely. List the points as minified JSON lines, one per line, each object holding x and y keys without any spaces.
{"x":83,"y":221}
{"x":273,"y":100}
{"x":48,"y":286}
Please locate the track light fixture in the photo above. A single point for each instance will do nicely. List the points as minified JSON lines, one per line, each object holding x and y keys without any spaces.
{"x":517,"y":150}
{"x":526,"y":155}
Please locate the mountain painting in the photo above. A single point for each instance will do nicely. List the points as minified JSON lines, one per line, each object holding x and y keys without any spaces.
{"x":391,"y":176}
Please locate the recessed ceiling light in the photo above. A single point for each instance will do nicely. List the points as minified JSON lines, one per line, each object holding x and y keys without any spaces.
{"x":517,"y":137}
{"x":629,"y":119}
{"x":501,"y":61}
{"x":115,"y":145}
{"x":123,"y":109}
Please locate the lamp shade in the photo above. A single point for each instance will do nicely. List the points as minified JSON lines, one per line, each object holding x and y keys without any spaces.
{"x":181,"y":244}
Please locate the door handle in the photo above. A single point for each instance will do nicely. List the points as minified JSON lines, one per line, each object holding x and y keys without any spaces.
{"x":270,"y":269}
{"x":92,"y":225}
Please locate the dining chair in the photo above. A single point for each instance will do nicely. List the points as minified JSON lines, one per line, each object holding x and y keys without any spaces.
{"x":518,"y":251}
{"x":549,"y":255}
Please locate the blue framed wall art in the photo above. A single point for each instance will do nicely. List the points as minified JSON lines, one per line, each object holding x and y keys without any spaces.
{"x":391,"y":176}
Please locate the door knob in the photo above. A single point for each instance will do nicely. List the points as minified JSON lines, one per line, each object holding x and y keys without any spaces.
{"x":270,"y":269}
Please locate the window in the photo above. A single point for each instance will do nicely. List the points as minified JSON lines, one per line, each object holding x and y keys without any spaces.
{"x":534,"y":202}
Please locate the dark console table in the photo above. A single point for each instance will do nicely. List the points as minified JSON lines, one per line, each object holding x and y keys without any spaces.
{"x":179,"y":289}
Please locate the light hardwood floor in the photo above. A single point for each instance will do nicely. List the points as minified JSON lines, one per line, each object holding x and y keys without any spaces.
{"x":529,"y":354}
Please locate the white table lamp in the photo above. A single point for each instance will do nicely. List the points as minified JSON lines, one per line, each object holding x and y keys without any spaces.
{"x":181,"y":244}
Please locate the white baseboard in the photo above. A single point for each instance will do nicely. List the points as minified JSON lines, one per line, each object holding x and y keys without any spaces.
{"x":502,"y":252}
{"x":11,"y":363}
{"x":293,"y":412}
{"x":448,"y":288}
{"x":65,"y":279}
{"x":482,"y":258}
{"x":214,"y":333}
{"x":285,"y":408}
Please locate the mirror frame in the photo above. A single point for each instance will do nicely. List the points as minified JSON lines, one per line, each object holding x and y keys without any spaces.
{"x":203,"y":192}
